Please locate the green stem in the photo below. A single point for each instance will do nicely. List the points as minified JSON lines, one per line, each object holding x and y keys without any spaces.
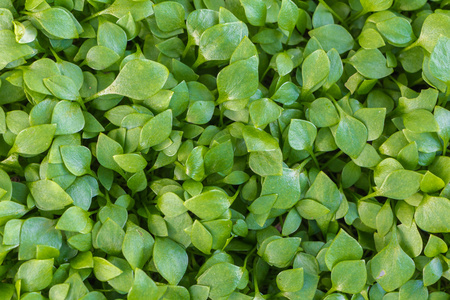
{"x":248,"y":256}
{"x":55,"y":55}
{"x":357,"y":16}
{"x":332,"y":290}
{"x":91,"y":17}
{"x":289,"y":37}
{"x":332,"y":159}
{"x":374,"y":194}
{"x":265,"y":73}
{"x":108,"y":200}
{"x":198,"y":62}
{"x":333,"y":12}
{"x":313,"y":156}
{"x":186,"y":50}
{"x":80,"y":101}
{"x":228,"y":241}
{"x":300,"y":167}
{"x":444,"y":147}
{"x":255,"y":283}
{"x":95,"y":96}
{"x":231,"y":199}
{"x":347,"y":229}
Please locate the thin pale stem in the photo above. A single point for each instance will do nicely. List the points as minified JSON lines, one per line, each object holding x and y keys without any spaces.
{"x":333,"y":12}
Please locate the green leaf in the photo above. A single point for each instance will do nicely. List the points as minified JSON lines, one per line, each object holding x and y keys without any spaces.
{"x":201,"y":238}
{"x":431,"y":183}
{"x":110,"y":237}
{"x":410,"y":239}
{"x":219,"y":158}
{"x":302,"y":134}
{"x":198,"y":21}
{"x":413,"y":288}
{"x":115,"y":212}
{"x":286,"y":187}
{"x":152,"y":73}
{"x":112,"y":36}
{"x":311,"y":210}
{"x":376,"y":5}
{"x":77,"y":159}
{"x":266,"y":163}
{"x":392,"y":267}
{"x":431,"y":214}
{"x":209,"y":205}
{"x":432,"y":272}
{"x":218,"y":42}
{"x":34,"y":140}
{"x":263,"y":204}
{"x":420,"y":120}
{"x":10,"y":49}
{"x":279,"y":252}
{"x":264,"y":111}
{"x":333,"y":36}
{"x":370,"y":63}
{"x":258,"y":140}
{"x":439,"y":58}
{"x":171,"y":205}
{"x":435,"y":246}
{"x":287,"y":93}
{"x":323,"y":113}
{"x":137,"y":247}
{"x":239,"y":80}
{"x":101,"y":57}
{"x":2,"y":121}
{"x":370,"y":38}
{"x":400,"y":184}
{"x":385,"y":219}
{"x":343,"y":248}
{"x":105,"y":270}
{"x":255,"y":12}
{"x":138,"y":9}
{"x":290,"y":280}
{"x":38,"y":231}
{"x":56,"y":22}
{"x":170,"y":259}
{"x":143,"y":287}
{"x":315,"y":70}
{"x":324,"y":190}
{"x":75,"y":219}
{"x":106,"y":149}
{"x":373,"y":119}
{"x":288,"y":16}
{"x":368,"y":158}
{"x":62,"y":87}
{"x":49,"y":195}
{"x":222,"y":279}
{"x":35,"y":275}
{"x":435,"y":25}
{"x":397,"y":31}
{"x":130,"y":162}
{"x":68,"y":117}
{"x":169,"y":15}
{"x":156,"y":130}
{"x":349,"y":276}
{"x":442,"y":117}
{"x":350,"y":135}
{"x":11,"y":210}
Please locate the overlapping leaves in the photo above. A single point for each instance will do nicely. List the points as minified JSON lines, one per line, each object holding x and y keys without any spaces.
{"x":216,"y":149}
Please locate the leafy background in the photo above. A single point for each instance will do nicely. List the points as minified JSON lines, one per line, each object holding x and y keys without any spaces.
{"x":238,"y":149}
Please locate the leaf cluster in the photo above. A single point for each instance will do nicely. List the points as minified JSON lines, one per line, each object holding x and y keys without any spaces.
{"x":212,"y":149}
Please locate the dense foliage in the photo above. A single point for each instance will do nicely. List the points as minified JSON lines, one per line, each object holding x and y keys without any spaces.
{"x":224,"y":149}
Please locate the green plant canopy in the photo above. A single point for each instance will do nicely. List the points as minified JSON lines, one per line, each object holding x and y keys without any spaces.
{"x":224,"y":149}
